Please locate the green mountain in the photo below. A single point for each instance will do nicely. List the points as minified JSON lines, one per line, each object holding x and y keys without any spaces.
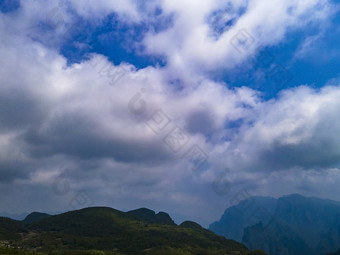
{"x":35,"y":216}
{"x":11,"y":229}
{"x":190,"y":224}
{"x":102,"y":230}
{"x":150,"y":216}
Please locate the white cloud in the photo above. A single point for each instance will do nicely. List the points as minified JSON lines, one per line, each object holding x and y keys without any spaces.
{"x":70,"y":117}
{"x":299,"y":128}
{"x":189,"y":45}
{"x":307,"y":46}
{"x":89,"y":9}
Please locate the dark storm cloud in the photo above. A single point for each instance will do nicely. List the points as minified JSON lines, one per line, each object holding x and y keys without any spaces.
{"x":318,"y":154}
{"x":201,"y":121}
{"x":14,"y":169}
{"x":19,"y":109}
{"x":77,"y":135}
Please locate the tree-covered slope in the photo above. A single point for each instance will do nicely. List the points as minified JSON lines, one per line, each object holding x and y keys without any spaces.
{"x":35,"y":216}
{"x":114,"y":232}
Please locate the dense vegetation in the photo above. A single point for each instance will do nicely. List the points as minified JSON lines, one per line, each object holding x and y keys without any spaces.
{"x":334,"y":253}
{"x":106,"y":231}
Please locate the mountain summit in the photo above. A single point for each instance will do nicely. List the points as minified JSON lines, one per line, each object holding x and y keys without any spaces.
{"x":148,"y":215}
{"x":35,"y":216}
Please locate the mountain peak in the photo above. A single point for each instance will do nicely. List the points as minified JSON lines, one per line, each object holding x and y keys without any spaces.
{"x":190,"y":224}
{"x":35,"y":216}
{"x":150,"y":216}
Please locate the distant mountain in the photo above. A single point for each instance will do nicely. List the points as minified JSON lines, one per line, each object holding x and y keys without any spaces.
{"x":291,"y":225}
{"x":14,"y":216}
{"x":35,"y":216}
{"x":283,"y":240}
{"x":106,"y":231}
{"x":330,"y":241}
{"x":240,"y":216}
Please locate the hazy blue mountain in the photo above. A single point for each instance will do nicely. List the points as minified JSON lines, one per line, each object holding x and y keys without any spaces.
{"x":331,"y":240}
{"x":334,"y":253}
{"x":242,"y":215}
{"x":281,"y":239}
{"x":291,"y":225}
{"x":14,"y":216}
{"x":312,"y":218}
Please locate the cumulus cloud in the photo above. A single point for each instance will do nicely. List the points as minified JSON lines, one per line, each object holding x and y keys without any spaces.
{"x":190,"y":46}
{"x":107,"y":131}
{"x":297,"y":129}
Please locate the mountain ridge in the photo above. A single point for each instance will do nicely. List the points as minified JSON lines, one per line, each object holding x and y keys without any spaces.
{"x":110,"y":231}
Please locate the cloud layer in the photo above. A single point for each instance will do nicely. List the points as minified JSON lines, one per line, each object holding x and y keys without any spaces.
{"x":117,"y":135}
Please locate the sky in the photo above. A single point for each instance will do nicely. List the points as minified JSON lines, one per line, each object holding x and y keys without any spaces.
{"x":178,"y":106}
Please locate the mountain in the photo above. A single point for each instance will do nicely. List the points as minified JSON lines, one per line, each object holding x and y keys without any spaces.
{"x":330,"y":241}
{"x":150,"y":216}
{"x":14,"y":216}
{"x":334,"y":253}
{"x":283,"y":240}
{"x":35,"y":216}
{"x":291,"y":224}
{"x":238,"y":217}
{"x":10,"y":229}
{"x":102,"y":230}
{"x":190,"y":224}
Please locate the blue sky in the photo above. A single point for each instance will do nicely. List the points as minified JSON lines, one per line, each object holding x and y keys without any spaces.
{"x":172,"y":105}
{"x":299,"y":53}
{"x":309,"y":54}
